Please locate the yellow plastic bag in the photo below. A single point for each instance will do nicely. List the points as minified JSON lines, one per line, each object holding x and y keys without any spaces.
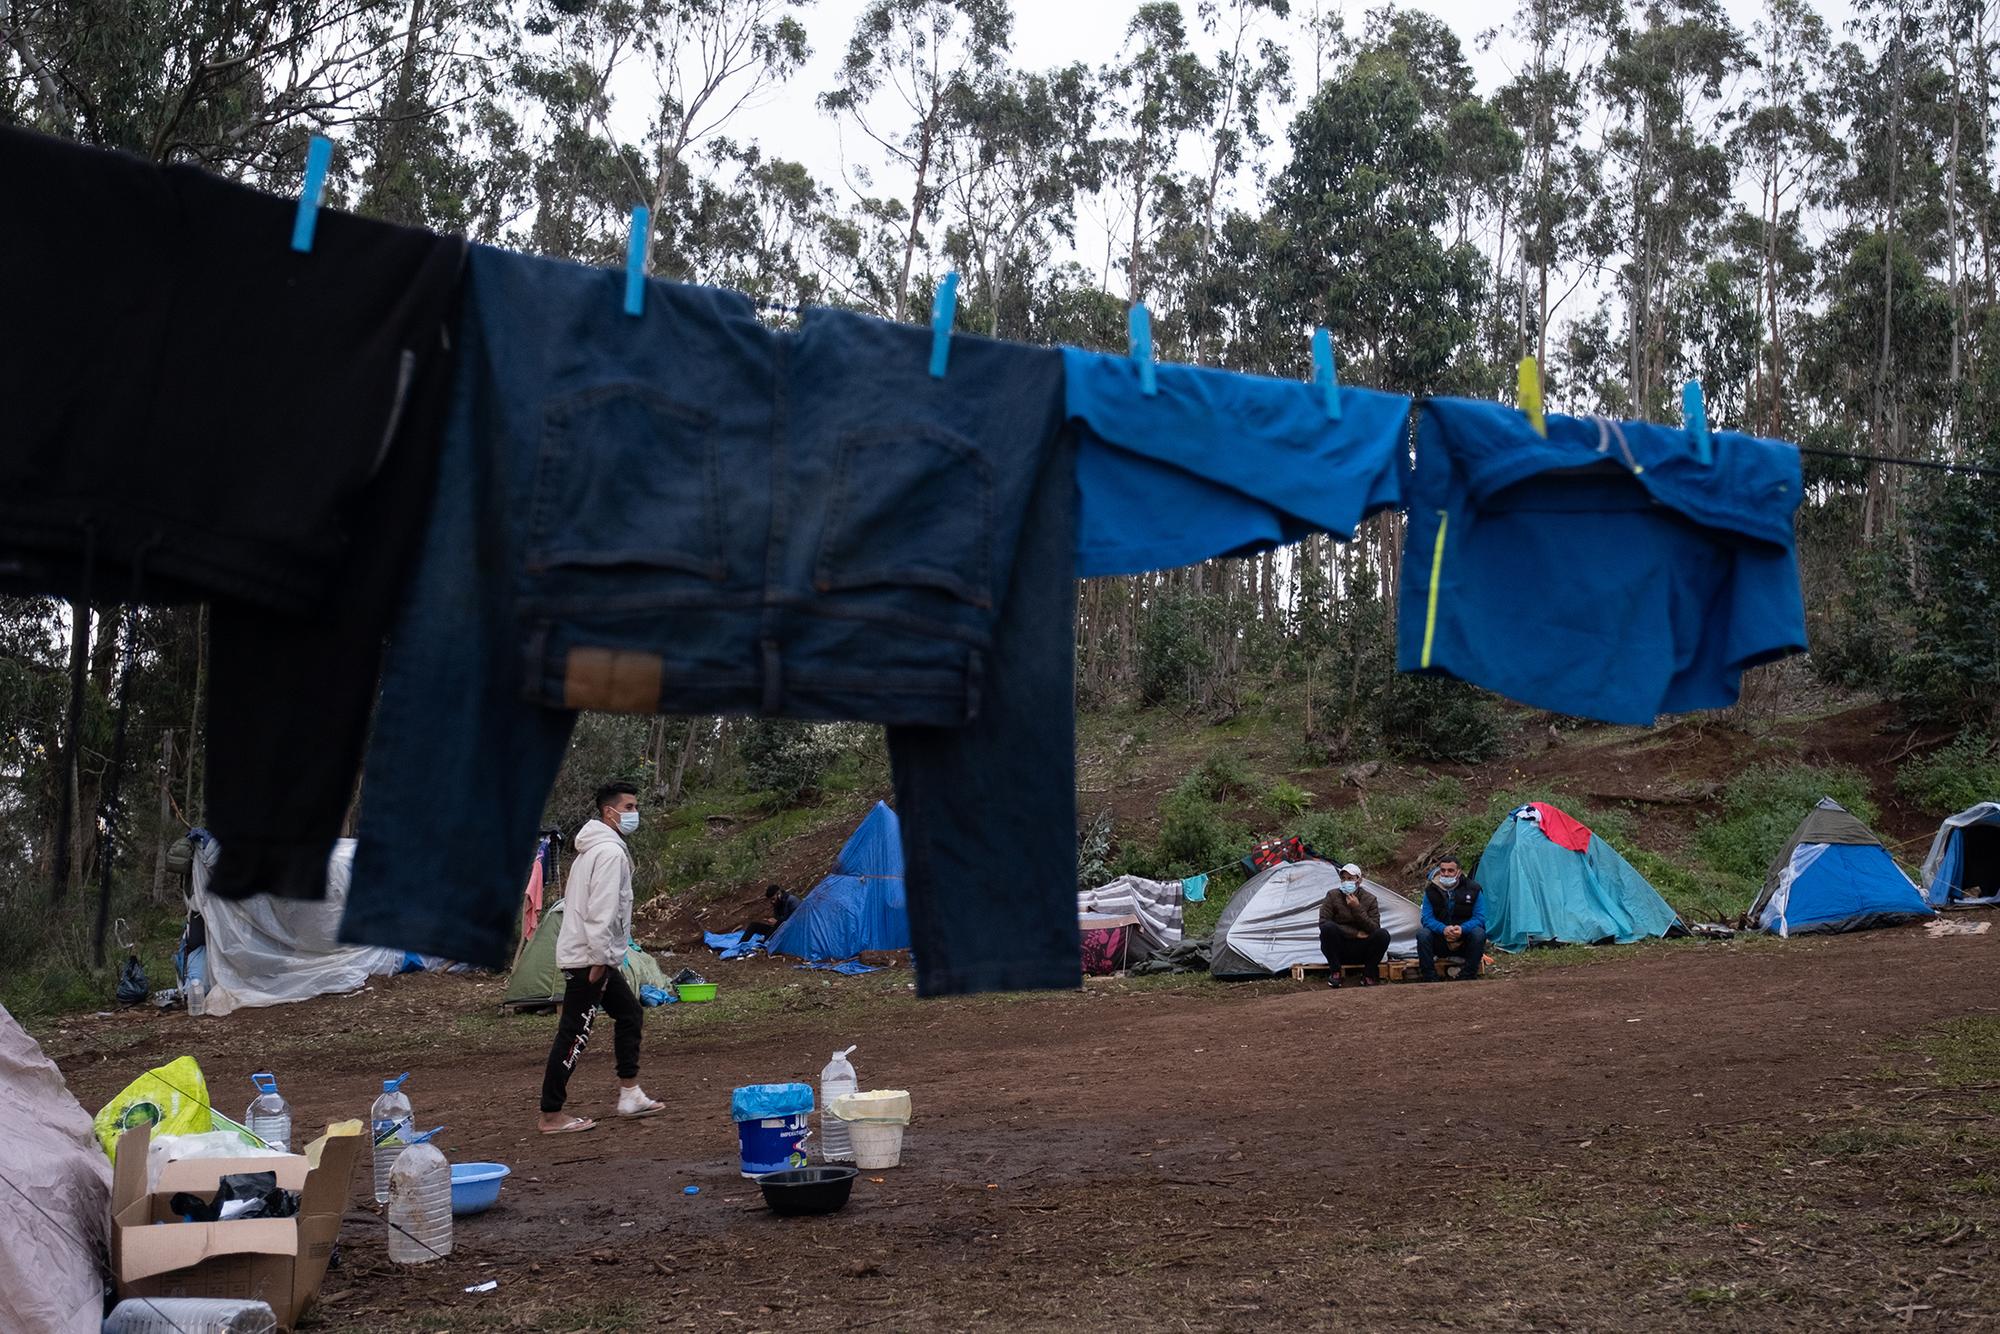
{"x":172,"y":1099}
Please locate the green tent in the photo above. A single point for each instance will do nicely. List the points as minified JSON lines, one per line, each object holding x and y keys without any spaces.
{"x":537,"y":984}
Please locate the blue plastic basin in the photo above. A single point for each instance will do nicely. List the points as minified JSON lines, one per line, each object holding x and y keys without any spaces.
{"x":475,"y":1186}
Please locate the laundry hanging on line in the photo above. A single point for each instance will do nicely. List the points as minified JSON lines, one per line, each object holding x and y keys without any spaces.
{"x":817,"y":528}
{"x":198,"y":413}
{"x":1602,"y":571}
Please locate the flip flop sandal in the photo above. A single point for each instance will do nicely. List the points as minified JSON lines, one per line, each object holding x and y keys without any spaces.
{"x":648,"y":1110}
{"x":576,"y":1125}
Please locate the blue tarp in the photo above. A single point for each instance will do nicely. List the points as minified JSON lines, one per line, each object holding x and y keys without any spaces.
{"x":754,"y":1102}
{"x":733,"y":944}
{"x":851,"y":968}
{"x":1539,"y":892}
{"x":858,"y":907}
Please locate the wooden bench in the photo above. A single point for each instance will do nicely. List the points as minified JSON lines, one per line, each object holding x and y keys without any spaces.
{"x":1393,"y":970}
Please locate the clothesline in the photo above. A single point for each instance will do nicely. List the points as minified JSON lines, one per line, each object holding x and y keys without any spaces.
{"x":1963,"y":469}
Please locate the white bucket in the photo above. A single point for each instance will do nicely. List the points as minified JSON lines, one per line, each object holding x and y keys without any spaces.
{"x":876,"y":1144}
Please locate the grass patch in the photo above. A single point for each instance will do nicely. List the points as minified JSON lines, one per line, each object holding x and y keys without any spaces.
{"x":1963,"y":1052}
{"x":1761,"y":808}
{"x":1855,"y":1141}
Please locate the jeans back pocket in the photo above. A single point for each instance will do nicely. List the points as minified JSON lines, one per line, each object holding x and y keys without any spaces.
{"x":911,"y":506}
{"x":628,"y":477}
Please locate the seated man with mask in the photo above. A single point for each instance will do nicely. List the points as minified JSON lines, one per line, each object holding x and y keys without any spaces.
{"x":1351,"y":933}
{"x":1454,"y":922}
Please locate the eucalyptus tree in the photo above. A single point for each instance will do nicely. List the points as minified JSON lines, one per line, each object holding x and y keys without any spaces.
{"x":926,"y":54}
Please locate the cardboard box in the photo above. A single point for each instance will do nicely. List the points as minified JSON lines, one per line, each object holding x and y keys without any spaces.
{"x":276,"y":1260}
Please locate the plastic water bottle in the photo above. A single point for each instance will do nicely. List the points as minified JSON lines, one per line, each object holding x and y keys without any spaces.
{"x":269,"y":1117}
{"x":390,"y":1121}
{"x":835,"y":1144}
{"x":420,"y":1203}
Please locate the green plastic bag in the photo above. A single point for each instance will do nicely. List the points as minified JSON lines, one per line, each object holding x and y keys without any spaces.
{"x":172,"y":1099}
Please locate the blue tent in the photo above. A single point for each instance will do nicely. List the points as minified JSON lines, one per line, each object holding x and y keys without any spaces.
{"x":1964,"y":861}
{"x":1539,"y":890}
{"x":1835,"y":875}
{"x":860,"y":906}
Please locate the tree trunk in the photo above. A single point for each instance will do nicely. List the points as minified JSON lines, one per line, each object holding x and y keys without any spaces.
{"x":72,"y":751}
{"x":681,"y":761}
{"x":165,"y":836}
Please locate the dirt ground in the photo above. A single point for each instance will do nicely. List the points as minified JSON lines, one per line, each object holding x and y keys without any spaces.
{"x":1747,"y":1135}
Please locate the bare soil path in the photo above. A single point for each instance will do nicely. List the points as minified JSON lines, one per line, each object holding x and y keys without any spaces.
{"x":1739,"y":1135}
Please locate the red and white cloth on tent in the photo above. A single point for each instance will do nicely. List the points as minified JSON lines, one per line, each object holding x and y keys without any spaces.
{"x":1562,"y":830}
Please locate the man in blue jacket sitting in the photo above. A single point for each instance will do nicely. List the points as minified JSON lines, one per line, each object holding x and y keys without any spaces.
{"x":1454,"y":922}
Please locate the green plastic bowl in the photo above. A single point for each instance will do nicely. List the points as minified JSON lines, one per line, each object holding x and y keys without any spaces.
{"x":696,"y":992}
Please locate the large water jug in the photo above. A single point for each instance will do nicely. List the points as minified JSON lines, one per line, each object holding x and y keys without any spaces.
{"x":269,"y":1117}
{"x":835,"y":1144}
{"x":420,"y":1203}
{"x":391,"y":1121}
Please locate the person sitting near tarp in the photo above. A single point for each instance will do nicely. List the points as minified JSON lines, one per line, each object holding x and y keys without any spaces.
{"x":1351,"y":933}
{"x":1454,"y":922}
{"x":778,"y":905}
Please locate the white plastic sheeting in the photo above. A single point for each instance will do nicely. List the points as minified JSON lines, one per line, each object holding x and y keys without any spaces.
{"x":1158,"y":904}
{"x":1804,"y":855}
{"x":266,"y":951}
{"x":52,"y":1242}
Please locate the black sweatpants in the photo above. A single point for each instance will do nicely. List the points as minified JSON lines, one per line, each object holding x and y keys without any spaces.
{"x":581,"y":1000}
{"x":1343,"y":947}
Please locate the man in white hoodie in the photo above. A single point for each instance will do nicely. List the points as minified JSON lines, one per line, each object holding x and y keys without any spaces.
{"x":597,"y":923}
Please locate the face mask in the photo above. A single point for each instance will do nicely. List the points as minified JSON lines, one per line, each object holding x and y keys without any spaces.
{"x":1447,"y":882}
{"x":1348,"y":886}
{"x":628,"y":822}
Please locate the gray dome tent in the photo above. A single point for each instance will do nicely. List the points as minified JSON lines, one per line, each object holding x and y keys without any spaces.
{"x":1273,"y":921}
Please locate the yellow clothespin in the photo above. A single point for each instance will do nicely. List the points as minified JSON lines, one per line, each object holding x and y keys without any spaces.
{"x":1531,"y":396}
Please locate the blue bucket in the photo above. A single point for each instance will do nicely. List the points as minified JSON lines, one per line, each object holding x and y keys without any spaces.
{"x":772,"y":1144}
{"x":771,"y":1125}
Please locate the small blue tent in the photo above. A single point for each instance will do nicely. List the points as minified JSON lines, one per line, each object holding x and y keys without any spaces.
{"x":860,"y":906}
{"x":1547,"y":878}
{"x":1835,"y":875}
{"x":1964,"y":861}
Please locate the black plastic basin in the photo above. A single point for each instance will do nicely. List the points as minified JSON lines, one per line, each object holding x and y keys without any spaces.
{"x":808,"y":1190}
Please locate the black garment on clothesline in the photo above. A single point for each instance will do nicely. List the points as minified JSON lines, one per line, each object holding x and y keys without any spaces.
{"x":197,"y":412}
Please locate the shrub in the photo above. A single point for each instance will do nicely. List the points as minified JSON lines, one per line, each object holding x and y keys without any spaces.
{"x":1093,"y":852}
{"x":1437,"y":718}
{"x":1223,"y":774}
{"x":1194,"y":836}
{"x":1953,"y":777}
{"x":1287,"y":801}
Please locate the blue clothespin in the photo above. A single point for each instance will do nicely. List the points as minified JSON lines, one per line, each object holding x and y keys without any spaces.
{"x":319,"y":156}
{"x":1139,"y":325}
{"x":635,"y":261}
{"x":944,"y":309}
{"x":1324,"y":374}
{"x":1694,"y":414}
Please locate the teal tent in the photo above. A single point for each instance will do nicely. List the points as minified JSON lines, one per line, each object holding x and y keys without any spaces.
{"x":1548,"y":879}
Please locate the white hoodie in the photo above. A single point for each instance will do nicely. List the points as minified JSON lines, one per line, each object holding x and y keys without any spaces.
{"x":597,"y":901}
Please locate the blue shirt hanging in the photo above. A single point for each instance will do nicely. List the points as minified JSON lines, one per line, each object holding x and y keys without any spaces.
{"x":1605,"y":571}
{"x":1217,"y":463}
